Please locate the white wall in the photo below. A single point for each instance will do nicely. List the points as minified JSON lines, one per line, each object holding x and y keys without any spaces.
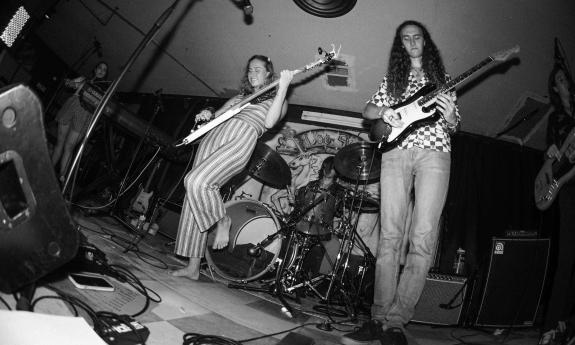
{"x":209,"y":40}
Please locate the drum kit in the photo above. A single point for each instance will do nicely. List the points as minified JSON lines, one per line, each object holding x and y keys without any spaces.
{"x":273,"y":253}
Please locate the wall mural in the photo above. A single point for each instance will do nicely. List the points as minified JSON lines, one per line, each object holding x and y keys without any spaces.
{"x":304,"y":147}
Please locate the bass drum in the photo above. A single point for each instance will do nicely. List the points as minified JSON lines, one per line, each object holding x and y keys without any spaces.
{"x":252,"y":222}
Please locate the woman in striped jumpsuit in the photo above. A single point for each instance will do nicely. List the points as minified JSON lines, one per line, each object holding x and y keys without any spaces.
{"x":223,"y":153}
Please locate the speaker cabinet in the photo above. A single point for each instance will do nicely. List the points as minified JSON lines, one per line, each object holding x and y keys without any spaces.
{"x":37,"y":234}
{"x":514,"y":282}
{"x":442,"y":300}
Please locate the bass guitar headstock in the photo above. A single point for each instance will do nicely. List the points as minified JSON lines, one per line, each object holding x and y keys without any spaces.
{"x":327,"y":57}
{"x":503,"y":55}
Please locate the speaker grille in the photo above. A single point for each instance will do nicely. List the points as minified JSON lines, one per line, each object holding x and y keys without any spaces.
{"x":514,"y":283}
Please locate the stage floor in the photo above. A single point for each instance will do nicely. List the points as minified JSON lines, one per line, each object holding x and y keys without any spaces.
{"x":209,"y":307}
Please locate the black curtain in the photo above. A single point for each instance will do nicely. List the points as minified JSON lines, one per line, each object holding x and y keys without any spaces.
{"x":490,"y":193}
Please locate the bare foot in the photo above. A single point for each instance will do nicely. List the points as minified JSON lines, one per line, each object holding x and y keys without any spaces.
{"x":222,"y":233}
{"x":191,"y":271}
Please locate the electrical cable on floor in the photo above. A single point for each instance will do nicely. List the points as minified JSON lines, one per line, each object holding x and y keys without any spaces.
{"x":123,"y":275}
{"x":102,"y":321}
{"x":138,"y":252}
{"x":200,"y":339}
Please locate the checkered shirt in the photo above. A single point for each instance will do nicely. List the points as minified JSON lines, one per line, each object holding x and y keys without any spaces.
{"x":435,"y":136}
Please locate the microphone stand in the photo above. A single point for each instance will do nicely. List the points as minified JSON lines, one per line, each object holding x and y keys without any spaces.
{"x":276,"y":289}
{"x":106,"y":98}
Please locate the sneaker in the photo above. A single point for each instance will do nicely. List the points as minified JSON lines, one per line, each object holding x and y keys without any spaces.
{"x":394,"y":336}
{"x":368,"y":334}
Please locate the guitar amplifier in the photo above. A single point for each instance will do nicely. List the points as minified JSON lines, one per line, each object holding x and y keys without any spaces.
{"x":442,"y":300}
{"x":514,"y":283}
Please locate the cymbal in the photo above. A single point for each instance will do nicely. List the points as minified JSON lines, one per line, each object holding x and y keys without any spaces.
{"x":358,"y":161}
{"x":268,"y":167}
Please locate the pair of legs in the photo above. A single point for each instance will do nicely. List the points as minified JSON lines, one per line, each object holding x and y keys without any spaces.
{"x":426,"y":173}
{"x":68,"y":138}
{"x":223,"y":153}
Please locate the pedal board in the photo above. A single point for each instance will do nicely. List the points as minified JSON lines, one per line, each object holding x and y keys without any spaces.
{"x":119,"y":333}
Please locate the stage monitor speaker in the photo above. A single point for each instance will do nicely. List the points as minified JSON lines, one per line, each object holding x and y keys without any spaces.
{"x":37,"y":234}
{"x":514,"y":283}
{"x":442,"y":300}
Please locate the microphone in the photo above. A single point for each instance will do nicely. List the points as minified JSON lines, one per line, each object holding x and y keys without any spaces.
{"x":248,"y":8}
{"x":255,"y":251}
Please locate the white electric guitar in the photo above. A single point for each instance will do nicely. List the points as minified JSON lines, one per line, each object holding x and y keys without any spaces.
{"x":235,"y":109}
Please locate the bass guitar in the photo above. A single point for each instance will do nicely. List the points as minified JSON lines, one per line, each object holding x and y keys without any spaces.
{"x":553,"y":175}
{"x":197,"y":133}
{"x":419,"y":109}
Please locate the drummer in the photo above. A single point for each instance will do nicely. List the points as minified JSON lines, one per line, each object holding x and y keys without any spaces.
{"x":223,"y":153}
{"x":318,"y":199}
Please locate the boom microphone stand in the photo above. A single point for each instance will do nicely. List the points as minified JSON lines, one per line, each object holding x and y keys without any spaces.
{"x":106,"y":98}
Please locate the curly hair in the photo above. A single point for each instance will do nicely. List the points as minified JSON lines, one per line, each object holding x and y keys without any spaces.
{"x":553,"y":95}
{"x":400,"y":63}
{"x":245,"y":87}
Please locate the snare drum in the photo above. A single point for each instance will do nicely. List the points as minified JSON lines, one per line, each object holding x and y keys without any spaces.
{"x":252,"y":222}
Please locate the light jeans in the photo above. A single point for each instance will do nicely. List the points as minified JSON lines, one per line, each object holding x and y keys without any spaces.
{"x":426,"y":173}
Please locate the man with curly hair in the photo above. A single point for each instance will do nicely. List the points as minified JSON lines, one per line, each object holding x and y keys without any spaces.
{"x":418,"y":166}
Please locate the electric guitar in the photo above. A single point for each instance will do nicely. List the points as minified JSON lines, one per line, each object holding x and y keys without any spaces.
{"x":553,"y":175}
{"x":419,"y":109}
{"x":196,"y":133}
{"x":142,"y":201}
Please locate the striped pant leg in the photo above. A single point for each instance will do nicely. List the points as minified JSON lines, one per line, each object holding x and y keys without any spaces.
{"x":190,"y":241}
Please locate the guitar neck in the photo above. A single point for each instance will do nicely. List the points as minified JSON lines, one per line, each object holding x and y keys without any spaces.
{"x":261,"y":91}
{"x":236,"y":108}
{"x":454,"y":82}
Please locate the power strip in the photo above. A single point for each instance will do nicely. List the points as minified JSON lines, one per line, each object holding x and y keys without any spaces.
{"x":119,"y":333}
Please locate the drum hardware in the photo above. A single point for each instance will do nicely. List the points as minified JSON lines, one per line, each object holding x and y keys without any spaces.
{"x":310,"y":225}
{"x":362,"y":201}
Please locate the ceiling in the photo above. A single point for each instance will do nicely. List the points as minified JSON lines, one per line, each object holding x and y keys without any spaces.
{"x":201,"y":46}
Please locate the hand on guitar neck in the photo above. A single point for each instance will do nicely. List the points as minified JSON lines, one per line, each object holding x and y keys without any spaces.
{"x":557,"y":170}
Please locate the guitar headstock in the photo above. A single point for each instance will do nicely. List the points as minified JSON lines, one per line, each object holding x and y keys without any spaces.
{"x":327,"y":57}
{"x":503,"y":55}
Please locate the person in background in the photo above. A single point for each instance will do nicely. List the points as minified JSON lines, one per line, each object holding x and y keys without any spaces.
{"x":319,"y":201}
{"x":74,"y":117}
{"x":559,"y":322}
{"x":223,"y":153}
{"x":420,"y":164}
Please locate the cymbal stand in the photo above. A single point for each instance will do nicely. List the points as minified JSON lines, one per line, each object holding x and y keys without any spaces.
{"x":368,"y":257}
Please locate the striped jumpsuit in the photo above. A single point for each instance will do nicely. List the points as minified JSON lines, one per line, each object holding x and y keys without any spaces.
{"x":223,"y":153}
